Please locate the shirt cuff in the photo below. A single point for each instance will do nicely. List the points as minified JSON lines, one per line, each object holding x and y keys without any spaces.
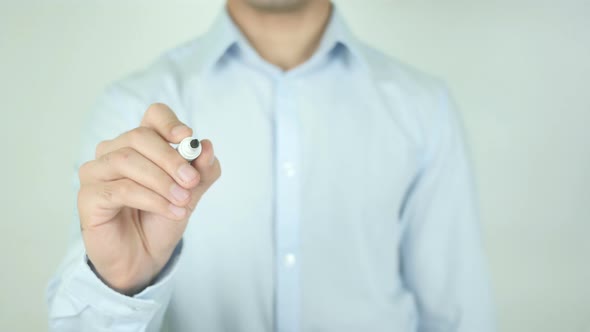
{"x":85,"y":289}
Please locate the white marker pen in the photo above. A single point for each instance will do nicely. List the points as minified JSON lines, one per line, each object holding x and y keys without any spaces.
{"x":189,"y":148}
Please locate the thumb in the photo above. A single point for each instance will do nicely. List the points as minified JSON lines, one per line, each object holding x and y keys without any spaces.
{"x":162,"y":120}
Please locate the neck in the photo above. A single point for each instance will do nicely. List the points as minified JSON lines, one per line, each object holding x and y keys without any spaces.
{"x":284,"y":38}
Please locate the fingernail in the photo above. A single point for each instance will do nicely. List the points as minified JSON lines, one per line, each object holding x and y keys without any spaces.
{"x":177,"y":211}
{"x":212,"y":160}
{"x":176,"y":131}
{"x":187,"y":173}
{"x":180,"y":194}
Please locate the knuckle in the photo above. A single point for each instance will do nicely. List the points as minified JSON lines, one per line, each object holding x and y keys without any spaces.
{"x":123,"y":154}
{"x":84,"y":170}
{"x":107,"y":158}
{"x":100,"y":148}
{"x":116,"y":158}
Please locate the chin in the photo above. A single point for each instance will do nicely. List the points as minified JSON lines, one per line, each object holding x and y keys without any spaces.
{"x":278,"y":5}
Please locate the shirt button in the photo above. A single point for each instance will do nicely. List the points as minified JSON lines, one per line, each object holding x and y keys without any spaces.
{"x":290,"y":260}
{"x":289,"y":169}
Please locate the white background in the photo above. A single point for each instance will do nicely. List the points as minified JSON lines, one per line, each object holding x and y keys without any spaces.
{"x":520,"y":71}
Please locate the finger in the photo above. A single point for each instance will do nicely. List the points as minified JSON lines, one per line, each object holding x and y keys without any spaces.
{"x":210,"y":170}
{"x":128,"y":163}
{"x":207,"y":164}
{"x":162,"y":120}
{"x":114,"y":195}
{"x":147,"y":142}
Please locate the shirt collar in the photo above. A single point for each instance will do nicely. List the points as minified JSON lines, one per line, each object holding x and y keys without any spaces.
{"x":338,"y":39}
{"x":224,"y":36}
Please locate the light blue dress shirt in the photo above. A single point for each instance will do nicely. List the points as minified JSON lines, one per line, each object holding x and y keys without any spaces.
{"x":346,"y":201}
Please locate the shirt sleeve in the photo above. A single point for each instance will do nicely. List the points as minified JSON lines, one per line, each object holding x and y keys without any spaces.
{"x":443,"y":261}
{"x":78,"y":300}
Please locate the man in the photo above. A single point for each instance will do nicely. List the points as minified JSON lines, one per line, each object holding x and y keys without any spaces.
{"x":345,"y":203}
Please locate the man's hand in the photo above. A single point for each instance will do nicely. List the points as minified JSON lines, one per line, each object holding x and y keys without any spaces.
{"x":136,"y":197}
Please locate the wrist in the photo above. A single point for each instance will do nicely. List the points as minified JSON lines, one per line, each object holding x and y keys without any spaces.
{"x":128,"y":282}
